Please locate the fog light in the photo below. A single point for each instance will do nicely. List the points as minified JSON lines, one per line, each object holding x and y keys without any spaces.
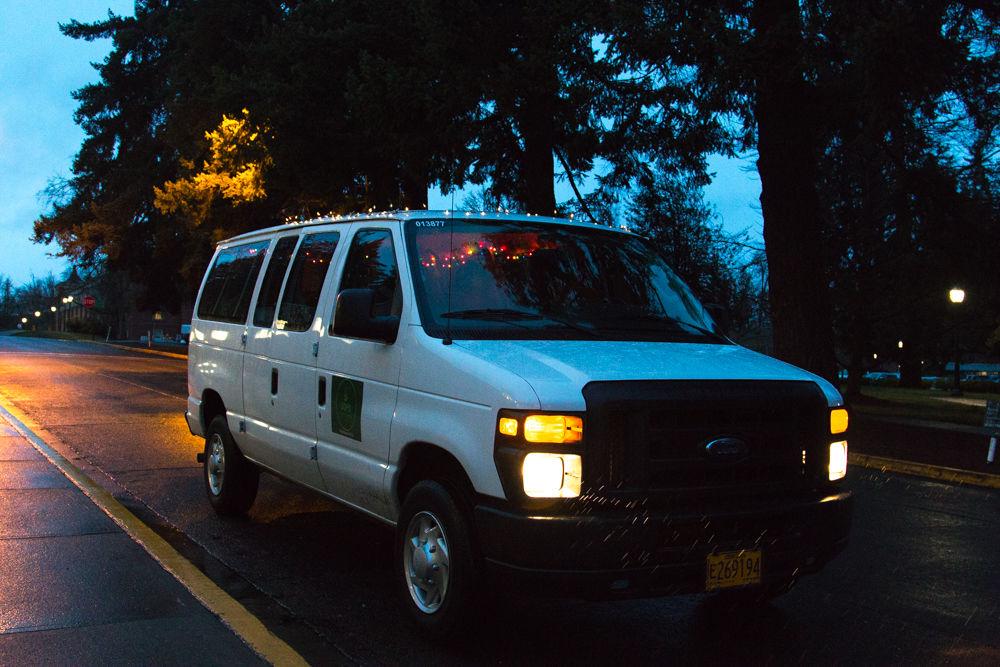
{"x":553,"y":428}
{"x":838,"y":460}
{"x":838,"y":421}
{"x":551,"y":475}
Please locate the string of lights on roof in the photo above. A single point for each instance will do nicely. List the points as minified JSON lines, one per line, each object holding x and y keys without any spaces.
{"x":330,"y":216}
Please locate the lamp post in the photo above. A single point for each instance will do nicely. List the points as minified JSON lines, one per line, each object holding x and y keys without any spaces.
{"x":957,"y":296}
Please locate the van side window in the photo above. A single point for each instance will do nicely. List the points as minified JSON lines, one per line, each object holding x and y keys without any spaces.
{"x":263,"y":312}
{"x":229,"y":286}
{"x":371,"y":264}
{"x":305,"y":281}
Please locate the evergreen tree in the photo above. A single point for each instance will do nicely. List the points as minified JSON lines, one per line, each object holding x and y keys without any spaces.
{"x":719,"y":268}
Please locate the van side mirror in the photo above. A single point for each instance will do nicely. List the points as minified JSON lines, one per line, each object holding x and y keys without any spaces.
{"x":353,"y":317}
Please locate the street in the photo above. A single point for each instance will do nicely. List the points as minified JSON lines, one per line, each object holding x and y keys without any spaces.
{"x":919,"y":582}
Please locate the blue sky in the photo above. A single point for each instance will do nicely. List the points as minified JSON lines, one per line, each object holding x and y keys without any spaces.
{"x":39,"y":69}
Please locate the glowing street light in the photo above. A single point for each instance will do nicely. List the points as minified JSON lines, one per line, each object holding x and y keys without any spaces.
{"x":53,"y":308}
{"x":875,"y":356}
{"x":957,"y":296}
{"x":38,"y":313}
{"x":900,"y":345}
{"x":24,"y":320}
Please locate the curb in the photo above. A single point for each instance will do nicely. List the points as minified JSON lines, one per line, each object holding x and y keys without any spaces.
{"x":941,"y":473}
{"x":144,"y":350}
{"x":234,"y":615}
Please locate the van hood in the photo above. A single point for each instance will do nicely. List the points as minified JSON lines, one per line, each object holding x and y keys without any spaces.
{"x":558,"y":370}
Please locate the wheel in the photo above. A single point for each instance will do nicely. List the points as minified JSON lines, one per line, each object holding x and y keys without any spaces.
{"x":435,"y":561}
{"x":230,"y":480}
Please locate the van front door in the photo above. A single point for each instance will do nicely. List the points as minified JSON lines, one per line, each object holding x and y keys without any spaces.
{"x":361,"y":377}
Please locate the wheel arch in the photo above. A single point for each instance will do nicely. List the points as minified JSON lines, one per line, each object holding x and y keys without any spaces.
{"x":424,"y":460}
{"x":212,"y":405}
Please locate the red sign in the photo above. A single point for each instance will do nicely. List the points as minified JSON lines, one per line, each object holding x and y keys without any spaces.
{"x":89,"y":301}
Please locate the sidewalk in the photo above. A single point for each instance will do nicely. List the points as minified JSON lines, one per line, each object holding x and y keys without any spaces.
{"x":76,"y":589}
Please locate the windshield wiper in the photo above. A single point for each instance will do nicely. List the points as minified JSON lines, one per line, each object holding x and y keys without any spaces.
{"x":666,"y":319}
{"x":491,"y":314}
{"x":510,"y":315}
{"x":501,"y":315}
{"x":573,"y":325}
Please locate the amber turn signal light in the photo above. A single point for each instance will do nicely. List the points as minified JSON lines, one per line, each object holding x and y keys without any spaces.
{"x":838,"y":421}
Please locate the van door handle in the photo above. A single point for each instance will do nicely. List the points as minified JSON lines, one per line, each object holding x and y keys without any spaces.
{"x":321,"y":397}
{"x":274,"y":382}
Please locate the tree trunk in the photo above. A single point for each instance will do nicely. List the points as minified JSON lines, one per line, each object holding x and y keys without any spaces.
{"x":786,"y":144}
{"x":855,"y":370}
{"x":414,"y":191}
{"x":537,"y":125}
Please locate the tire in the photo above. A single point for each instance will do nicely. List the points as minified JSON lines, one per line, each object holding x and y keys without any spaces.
{"x":230,"y":480}
{"x":436,"y":565}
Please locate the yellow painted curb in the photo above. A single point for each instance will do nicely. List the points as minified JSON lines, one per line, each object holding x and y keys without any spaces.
{"x":942,"y":473}
{"x":144,"y":350}
{"x":247,"y":626}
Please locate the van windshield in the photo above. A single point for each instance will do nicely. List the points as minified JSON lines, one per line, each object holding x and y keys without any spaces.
{"x":488,"y":279}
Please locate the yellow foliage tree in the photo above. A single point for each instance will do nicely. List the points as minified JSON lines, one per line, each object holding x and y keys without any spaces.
{"x":238,"y":159}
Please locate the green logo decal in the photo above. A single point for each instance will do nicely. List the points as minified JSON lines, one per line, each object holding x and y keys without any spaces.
{"x":348,"y":396}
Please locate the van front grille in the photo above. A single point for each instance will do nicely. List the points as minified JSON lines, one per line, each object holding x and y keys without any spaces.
{"x":649,"y":436}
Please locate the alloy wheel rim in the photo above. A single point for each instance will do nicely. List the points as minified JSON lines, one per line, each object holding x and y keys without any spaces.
{"x":425,"y":562}
{"x":216,"y":464}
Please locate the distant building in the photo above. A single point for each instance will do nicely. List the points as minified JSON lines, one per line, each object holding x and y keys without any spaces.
{"x":976,"y":366}
{"x":112,"y":312}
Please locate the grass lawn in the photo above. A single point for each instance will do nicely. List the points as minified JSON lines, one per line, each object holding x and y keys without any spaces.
{"x":920,"y":404}
{"x":58,"y":335}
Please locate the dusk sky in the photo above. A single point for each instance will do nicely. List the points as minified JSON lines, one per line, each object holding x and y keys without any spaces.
{"x":39,"y":69}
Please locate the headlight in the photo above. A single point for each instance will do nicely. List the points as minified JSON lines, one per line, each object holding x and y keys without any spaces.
{"x":838,"y":460}
{"x":838,"y":421}
{"x":551,"y":475}
{"x":553,"y":428}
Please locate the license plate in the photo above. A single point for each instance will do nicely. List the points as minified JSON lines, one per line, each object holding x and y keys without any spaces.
{"x":728,"y":569}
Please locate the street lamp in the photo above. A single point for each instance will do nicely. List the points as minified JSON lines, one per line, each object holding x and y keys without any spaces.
{"x":24,"y":320}
{"x":957,"y":296}
{"x":38,"y":313}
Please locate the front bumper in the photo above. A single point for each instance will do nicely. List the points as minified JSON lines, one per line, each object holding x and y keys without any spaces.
{"x":633,"y":553}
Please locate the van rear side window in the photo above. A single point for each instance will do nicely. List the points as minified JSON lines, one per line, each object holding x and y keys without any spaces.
{"x":263,"y":312}
{"x":227,"y":291}
{"x":305,"y":281}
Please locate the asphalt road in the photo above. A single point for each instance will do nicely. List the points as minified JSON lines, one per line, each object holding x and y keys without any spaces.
{"x":919,"y":583}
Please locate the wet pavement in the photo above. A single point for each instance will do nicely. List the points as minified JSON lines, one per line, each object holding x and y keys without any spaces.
{"x":75,"y":589}
{"x":918,"y":584}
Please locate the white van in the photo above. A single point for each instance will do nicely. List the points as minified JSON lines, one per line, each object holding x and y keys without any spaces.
{"x":527,"y":400}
